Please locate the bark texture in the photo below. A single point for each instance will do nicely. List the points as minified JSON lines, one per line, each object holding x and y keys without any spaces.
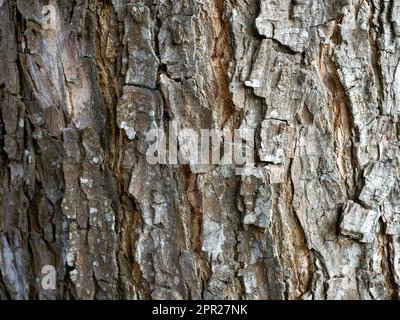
{"x":318,"y":217}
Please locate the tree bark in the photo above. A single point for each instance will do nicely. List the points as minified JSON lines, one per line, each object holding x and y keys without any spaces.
{"x":318,"y":215}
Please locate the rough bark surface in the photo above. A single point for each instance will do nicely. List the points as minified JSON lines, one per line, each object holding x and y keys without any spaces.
{"x":318,"y":217}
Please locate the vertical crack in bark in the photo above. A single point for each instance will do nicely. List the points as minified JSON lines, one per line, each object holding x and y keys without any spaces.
{"x":342,"y":120}
{"x":386,"y":265}
{"x":375,"y":52}
{"x":194,"y":199}
{"x":220,"y":58}
{"x":304,"y":267}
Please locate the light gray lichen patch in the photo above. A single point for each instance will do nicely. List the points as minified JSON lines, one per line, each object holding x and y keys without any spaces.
{"x":379,"y":182}
{"x":359,"y":223}
{"x":277,"y":141}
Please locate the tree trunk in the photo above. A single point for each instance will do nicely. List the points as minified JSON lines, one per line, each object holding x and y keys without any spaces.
{"x":317,"y":216}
